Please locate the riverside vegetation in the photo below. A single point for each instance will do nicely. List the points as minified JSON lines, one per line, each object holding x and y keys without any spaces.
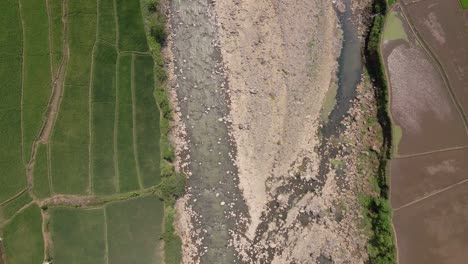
{"x":381,"y":246}
{"x":172,"y":183}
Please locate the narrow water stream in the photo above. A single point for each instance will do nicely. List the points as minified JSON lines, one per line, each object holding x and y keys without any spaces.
{"x":349,"y":72}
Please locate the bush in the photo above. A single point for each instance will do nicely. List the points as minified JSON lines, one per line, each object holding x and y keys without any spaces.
{"x":381,"y":246}
{"x":172,"y":187}
{"x":158,"y":32}
{"x":167,"y":169}
{"x":153,"y":6}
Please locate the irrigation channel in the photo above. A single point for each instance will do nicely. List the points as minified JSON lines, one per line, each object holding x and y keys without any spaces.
{"x":214,"y":197}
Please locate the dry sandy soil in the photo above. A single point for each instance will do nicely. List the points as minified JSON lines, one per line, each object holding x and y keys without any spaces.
{"x":277,"y":88}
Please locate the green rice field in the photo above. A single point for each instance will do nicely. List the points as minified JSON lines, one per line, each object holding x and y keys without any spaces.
{"x":81,"y":191}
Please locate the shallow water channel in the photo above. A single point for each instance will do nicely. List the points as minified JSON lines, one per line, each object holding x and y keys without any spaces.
{"x":349,"y":72}
{"x":201,"y":90}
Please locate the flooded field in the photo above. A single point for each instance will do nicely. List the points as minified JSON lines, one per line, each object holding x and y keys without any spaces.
{"x":443,"y":26}
{"x":426,"y":62}
{"x":420,"y":101}
{"x":434,"y":230}
{"x":417,"y":177}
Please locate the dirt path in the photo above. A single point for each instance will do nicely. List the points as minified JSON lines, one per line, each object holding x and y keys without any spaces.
{"x":58,"y":83}
{"x":54,"y":104}
{"x":2,"y":254}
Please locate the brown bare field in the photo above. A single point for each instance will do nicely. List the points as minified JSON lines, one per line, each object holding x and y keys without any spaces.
{"x":416,"y":177}
{"x":429,"y":182}
{"x":420,"y":102}
{"x":434,"y":230}
{"x":442,"y":25}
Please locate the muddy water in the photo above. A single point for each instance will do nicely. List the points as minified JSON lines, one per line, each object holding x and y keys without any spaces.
{"x":201,"y":89}
{"x":349,"y":71}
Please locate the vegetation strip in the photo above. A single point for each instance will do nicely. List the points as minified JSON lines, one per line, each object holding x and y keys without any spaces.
{"x":381,"y":246}
{"x":172,"y":183}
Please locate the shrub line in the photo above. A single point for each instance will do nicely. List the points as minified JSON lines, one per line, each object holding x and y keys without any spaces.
{"x":381,"y":247}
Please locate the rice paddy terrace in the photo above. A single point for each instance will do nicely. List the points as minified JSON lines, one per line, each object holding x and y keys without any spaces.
{"x":80,"y":133}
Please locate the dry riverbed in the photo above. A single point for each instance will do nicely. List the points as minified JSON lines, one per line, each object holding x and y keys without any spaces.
{"x":248,"y":81}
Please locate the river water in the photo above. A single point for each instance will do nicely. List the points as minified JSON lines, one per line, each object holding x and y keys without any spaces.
{"x":349,"y":72}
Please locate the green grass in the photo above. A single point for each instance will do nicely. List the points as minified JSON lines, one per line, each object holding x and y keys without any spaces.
{"x":78,"y":235}
{"x":125,"y":154}
{"x":106,"y":18}
{"x":22,"y":238}
{"x":9,"y":209}
{"x":69,"y":148}
{"x":147,"y":121}
{"x":394,"y":29}
{"x":131,"y":29}
{"x":103,"y":99}
{"x":464,"y":4}
{"x":56,"y":33}
{"x":134,"y":229}
{"x":41,"y":186}
{"x":397,"y":134}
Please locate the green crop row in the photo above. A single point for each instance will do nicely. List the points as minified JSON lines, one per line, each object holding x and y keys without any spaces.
{"x":106,"y":21}
{"x":131,"y":28}
{"x":23,"y":237}
{"x":120,"y":232}
{"x":147,"y":121}
{"x":41,"y":187}
{"x":78,"y":235}
{"x":103,"y":108}
{"x":12,"y":178}
{"x":37,"y":72}
{"x":128,"y":177}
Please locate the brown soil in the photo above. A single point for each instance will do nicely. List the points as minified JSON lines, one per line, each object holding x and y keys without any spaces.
{"x":434,"y":230}
{"x":442,"y":25}
{"x":416,"y":177}
{"x":420,"y":100}
{"x":2,"y":254}
{"x":428,"y":180}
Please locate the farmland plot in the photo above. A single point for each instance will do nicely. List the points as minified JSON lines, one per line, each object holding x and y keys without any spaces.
{"x":23,"y":237}
{"x":98,"y":142}
{"x":12,"y":178}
